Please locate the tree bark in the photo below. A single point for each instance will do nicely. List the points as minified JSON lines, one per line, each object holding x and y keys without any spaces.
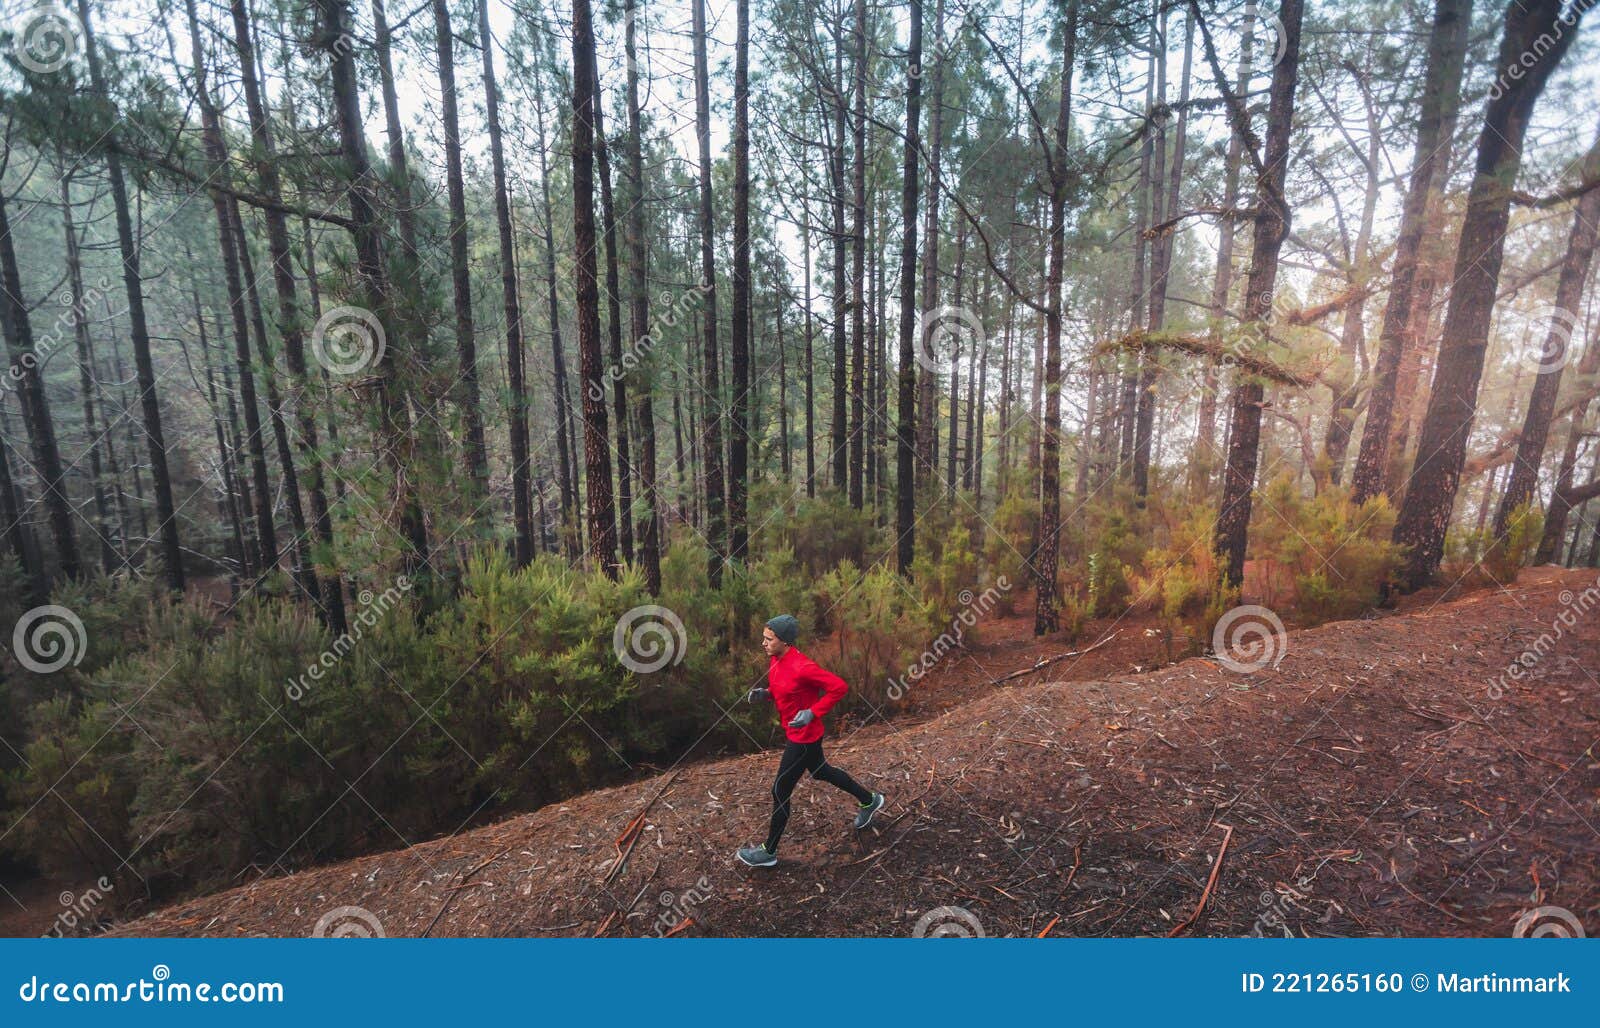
{"x":1447,"y":43}
{"x":24,"y":371}
{"x":1271,"y":228}
{"x":138,"y":330}
{"x":739,"y":440}
{"x":711,"y":414}
{"x":1557,"y":347}
{"x":1046,"y":617}
{"x":639,"y":314}
{"x":602,"y":515}
{"x":521,"y":500}
{"x":905,"y":455}
{"x":466,"y":388}
{"x":1441,"y":447}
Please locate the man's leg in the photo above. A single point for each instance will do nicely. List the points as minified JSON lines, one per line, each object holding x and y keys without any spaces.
{"x":824,"y":771}
{"x":790,"y":768}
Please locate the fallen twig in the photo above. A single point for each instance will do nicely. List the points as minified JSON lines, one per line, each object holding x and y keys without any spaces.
{"x":1047,"y":661}
{"x":456,"y":890}
{"x":635,"y":828}
{"x":1227,"y":836}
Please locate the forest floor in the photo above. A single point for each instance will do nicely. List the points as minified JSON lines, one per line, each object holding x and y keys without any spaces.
{"x":1369,"y":784}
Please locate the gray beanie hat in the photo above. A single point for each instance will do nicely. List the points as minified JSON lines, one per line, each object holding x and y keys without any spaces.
{"x":785,"y":627}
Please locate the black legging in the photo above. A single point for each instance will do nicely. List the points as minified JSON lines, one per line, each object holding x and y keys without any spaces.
{"x":798,"y":758}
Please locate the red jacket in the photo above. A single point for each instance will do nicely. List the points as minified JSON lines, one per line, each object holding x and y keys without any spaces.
{"x":798,"y":682}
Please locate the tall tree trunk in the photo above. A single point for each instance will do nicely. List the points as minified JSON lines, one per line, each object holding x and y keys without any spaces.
{"x":301,"y":541}
{"x":927,"y":373}
{"x":330,"y":588}
{"x":558,"y":358}
{"x":1447,"y":45}
{"x":602,"y":515}
{"x":86,"y":383}
{"x":639,"y":314}
{"x":1441,"y":448}
{"x":739,"y":431}
{"x":1555,"y":520}
{"x":840,"y":437}
{"x":1222,"y":281}
{"x":1553,"y":358}
{"x":138,"y":329}
{"x":231,"y":242}
{"x":1345,"y":386}
{"x":619,"y":392}
{"x":224,"y":451}
{"x":1044,"y":561}
{"x":716,"y":526}
{"x":466,"y":387}
{"x":366,"y":233}
{"x":36,"y":418}
{"x":905,"y":455}
{"x":1271,"y":228}
{"x":1156,"y":146}
{"x":521,"y":506}
{"x":858,"y":257}
{"x":811,"y":363}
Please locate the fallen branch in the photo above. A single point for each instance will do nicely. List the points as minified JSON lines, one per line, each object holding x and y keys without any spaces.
{"x":630,"y":835}
{"x":1047,"y":661}
{"x":1227,"y":836}
{"x":455,"y":890}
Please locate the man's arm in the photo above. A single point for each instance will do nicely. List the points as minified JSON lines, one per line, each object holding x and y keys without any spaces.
{"x":833,"y":687}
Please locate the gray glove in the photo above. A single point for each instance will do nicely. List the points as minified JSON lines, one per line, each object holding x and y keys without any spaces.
{"x":758,"y":693}
{"x":805,"y":717}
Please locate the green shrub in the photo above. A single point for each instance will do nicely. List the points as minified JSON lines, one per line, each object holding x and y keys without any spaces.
{"x":1338,"y":556}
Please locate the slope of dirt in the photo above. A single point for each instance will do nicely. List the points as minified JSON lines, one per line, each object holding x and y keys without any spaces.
{"x":1371,"y":783}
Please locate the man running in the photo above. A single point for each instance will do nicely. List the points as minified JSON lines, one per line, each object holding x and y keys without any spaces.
{"x":803,"y":692}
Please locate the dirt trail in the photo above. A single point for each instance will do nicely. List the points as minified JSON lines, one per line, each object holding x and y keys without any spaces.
{"x":1372,"y":783}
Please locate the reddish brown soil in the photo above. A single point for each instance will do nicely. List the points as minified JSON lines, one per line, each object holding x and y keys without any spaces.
{"x":1371,"y":784}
